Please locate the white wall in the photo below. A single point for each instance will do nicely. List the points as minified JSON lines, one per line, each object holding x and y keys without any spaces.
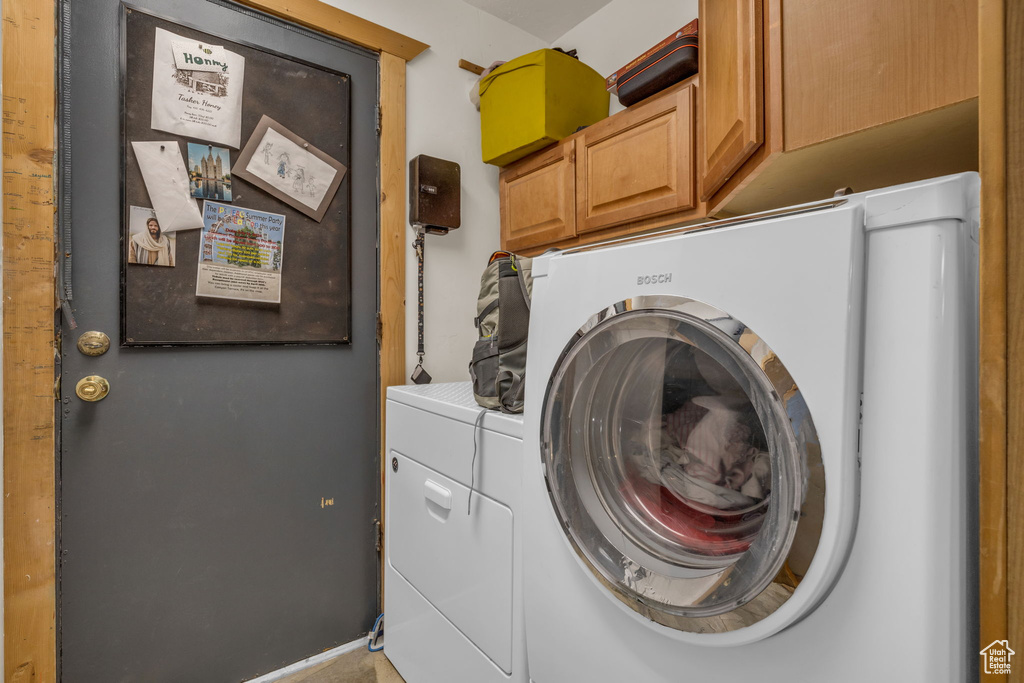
{"x":624,"y":29}
{"x":441,"y":122}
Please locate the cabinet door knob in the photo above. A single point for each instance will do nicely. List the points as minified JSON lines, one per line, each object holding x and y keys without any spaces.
{"x":92,"y":388}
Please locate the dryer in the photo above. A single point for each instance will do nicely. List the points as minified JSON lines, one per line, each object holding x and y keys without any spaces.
{"x":452,"y":576}
{"x":751,"y":448}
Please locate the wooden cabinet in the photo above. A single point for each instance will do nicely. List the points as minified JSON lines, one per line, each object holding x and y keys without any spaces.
{"x":636,"y":164}
{"x":731,"y":103}
{"x":630,"y":172}
{"x":897,"y":59}
{"x":538,"y":198}
{"x":877,"y":93}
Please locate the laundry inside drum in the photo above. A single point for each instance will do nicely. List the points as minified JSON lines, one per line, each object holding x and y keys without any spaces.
{"x":678,"y":453}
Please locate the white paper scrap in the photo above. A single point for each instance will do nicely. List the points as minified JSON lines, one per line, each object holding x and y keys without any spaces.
{"x":191,"y":55}
{"x":163,"y":171}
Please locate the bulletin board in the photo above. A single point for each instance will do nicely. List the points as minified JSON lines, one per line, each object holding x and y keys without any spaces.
{"x":159,"y":305}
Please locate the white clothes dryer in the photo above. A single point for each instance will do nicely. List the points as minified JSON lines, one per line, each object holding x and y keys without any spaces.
{"x":751,"y":448}
{"x":452,"y":574}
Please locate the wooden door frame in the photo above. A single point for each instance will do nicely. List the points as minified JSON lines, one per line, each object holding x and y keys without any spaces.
{"x":29,"y":303}
{"x":1001,"y":380}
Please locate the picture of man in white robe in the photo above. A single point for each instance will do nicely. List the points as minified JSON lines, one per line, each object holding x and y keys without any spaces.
{"x":150,"y":246}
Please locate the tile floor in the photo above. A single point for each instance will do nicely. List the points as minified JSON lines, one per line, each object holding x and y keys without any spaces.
{"x":359,"y":666}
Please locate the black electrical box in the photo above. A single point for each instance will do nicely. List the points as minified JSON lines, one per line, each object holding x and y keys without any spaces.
{"x":435,"y":194}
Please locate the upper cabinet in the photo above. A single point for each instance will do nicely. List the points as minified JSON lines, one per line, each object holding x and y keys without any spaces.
{"x":637,"y":164}
{"x":731,"y":103}
{"x":538,"y":198}
{"x":630,"y":172}
{"x":849,"y":66}
{"x":877,"y":93}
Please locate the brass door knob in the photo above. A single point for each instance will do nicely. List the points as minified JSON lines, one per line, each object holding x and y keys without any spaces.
{"x":92,"y":388}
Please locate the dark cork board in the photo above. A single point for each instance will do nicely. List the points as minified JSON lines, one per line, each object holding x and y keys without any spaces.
{"x":158,"y":304}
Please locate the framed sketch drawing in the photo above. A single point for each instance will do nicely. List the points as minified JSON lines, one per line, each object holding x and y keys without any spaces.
{"x":284,"y":165}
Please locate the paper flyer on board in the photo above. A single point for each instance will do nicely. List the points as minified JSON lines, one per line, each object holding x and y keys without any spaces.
{"x":197,"y":89}
{"x":240,"y":254}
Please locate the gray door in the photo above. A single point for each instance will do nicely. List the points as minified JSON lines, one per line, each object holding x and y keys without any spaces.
{"x":198,"y":541}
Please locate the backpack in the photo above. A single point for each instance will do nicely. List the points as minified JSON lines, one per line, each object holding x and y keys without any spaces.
{"x":498,"y":367}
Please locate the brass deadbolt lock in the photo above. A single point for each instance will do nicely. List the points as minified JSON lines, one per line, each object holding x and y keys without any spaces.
{"x":93,"y":343}
{"x":92,"y":388}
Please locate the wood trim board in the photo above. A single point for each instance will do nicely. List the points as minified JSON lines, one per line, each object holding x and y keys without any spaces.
{"x":1014,"y":449}
{"x":341,"y":24}
{"x":992,"y":333}
{"x":392,"y":247}
{"x":29,"y":85}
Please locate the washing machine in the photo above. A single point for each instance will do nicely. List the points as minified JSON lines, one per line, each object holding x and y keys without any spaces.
{"x":453,"y":610}
{"x":751,"y":448}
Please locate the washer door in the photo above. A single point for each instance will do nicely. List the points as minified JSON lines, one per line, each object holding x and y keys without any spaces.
{"x":683,"y":464}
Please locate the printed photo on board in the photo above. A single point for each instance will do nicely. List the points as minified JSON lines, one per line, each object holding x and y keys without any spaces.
{"x":148,"y":245}
{"x":209,"y":172}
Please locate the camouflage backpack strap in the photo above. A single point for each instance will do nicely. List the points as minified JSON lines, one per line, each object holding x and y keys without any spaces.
{"x":484,"y":364}
{"x":513,"y":329}
{"x":524,"y":270}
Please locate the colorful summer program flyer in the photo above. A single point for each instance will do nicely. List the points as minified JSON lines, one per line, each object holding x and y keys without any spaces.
{"x":240,"y":254}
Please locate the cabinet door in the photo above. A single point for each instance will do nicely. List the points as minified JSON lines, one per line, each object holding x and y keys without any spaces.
{"x":538,"y":199}
{"x":638,"y":163}
{"x":731,"y":84}
{"x":885,"y":61}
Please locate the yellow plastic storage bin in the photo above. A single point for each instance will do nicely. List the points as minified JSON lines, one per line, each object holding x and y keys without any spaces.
{"x":535,"y":100}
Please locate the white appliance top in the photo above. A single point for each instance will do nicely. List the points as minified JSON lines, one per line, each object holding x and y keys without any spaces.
{"x":953,"y":196}
{"x":455,"y":400}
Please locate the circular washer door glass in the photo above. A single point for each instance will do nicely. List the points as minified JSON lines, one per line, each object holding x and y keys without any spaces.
{"x":678,"y":453}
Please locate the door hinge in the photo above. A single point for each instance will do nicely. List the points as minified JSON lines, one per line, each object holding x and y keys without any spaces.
{"x":380,"y":329}
{"x":380,"y":120}
{"x":379,"y":534}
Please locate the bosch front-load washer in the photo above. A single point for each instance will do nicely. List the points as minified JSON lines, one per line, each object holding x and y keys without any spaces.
{"x":750,"y":448}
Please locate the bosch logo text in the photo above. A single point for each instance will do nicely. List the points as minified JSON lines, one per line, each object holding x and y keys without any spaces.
{"x":659,"y":279}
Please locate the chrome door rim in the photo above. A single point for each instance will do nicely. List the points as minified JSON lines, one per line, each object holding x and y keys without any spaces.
{"x":637,"y":576}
